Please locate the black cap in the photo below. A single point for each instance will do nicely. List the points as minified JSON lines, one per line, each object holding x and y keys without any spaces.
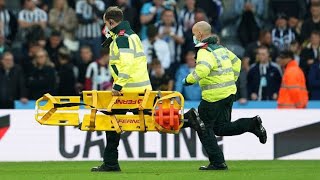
{"x":286,"y":54}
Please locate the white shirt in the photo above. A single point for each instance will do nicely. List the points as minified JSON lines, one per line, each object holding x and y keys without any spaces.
{"x":37,"y":15}
{"x":93,"y":29}
{"x":162,"y":51}
{"x":99,"y":75}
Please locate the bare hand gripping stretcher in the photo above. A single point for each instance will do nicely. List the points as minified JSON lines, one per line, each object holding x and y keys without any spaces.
{"x":150,"y":111}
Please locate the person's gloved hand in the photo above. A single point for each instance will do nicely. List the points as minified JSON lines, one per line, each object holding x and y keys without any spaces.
{"x":185,"y":83}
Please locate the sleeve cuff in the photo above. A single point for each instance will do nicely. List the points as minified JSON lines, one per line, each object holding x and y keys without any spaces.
{"x":117,"y":87}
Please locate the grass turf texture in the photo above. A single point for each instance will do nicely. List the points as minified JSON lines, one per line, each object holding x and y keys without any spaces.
{"x":238,"y":170}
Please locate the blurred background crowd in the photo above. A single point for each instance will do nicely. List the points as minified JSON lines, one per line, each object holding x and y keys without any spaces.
{"x":54,"y":46}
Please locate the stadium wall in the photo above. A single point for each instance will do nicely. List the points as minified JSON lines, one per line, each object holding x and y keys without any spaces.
{"x":292,"y":134}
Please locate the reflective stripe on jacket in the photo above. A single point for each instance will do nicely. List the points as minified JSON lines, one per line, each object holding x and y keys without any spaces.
{"x":217,"y":70}
{"x":293,"y":92}
{"x":128,"y":63}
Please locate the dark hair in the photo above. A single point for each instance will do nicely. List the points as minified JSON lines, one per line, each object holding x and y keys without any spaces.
{"x":64,"y":53}
{"x":263,"y":32}
{"x":294,"y":42}
{"x":286,"y":54}
{"x":86,"y":47}
{"x":152,"y":31}
{"x":199,"y":10}
{"x":55,"y":33}
{"x":263,"y":47}
{"x":114,"y":13}
{"x":155,"y":62}
{"x":166,"y":10}
{"x":315,"y":32}
{"x":282,"y":16}
{"x":104,"y":51}
{"x":315,"y":4}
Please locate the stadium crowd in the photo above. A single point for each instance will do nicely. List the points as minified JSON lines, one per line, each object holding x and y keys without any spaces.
{"x":54,"y":46}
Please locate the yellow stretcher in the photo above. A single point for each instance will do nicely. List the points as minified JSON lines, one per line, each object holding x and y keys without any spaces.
{"x":132,"y":111}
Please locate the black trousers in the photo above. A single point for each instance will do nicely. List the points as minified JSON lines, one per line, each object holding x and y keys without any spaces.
{"x":110,"y":156}
{"x":217,"y":119}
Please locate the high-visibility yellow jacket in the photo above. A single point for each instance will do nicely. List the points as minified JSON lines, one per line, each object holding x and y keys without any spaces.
{"x":217,"y":70}
{"x":128,"y":63}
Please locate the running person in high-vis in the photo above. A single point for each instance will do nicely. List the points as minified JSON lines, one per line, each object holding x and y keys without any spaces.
{"x":128,"y":66}
{"x":217,"y":71}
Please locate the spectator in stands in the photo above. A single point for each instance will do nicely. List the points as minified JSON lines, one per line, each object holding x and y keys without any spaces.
{"x":150,"y":14}
{"x":242,"y":88}
{"x":200,"y":15}
{"x":43,"y":4}
{"x":156,"y":48}
{"x":282,"y":35}
{"x":3,"y":46}
{"x":89,"y":13}
{"x":295,"y":24}
{"x":293,"y":92}
{"x":186,"y":15}
{"x":292,"y":8}
{"x":160,"y":79}
{"x":192,"y":92}
{"x":53,"y":45}
{"x":213,"y":10}
{"x":12,"y":82}
{"x":34,"y":33}
{"x":28,"y":55}
{"x":31,"y":15}
{"x":43,"y":76}
{"x":314,"y":81}
{"x":98,"y":75}
{"x":250,"y":16}
{"x":66,"y":73}
{"x":264,"y":77}
{"x":187,"y":19}
{"x":130,"y":14}
{"x":311,"y":24}
{"x":309,"y":4}
{"x":86,"y":57}
{"x":171,"y":32}
{"x":296,"y":49}
{"x":8,"y":23}
{"x":251,"y":50}
{"x":63,"y":18}
{"x":311,"y":53}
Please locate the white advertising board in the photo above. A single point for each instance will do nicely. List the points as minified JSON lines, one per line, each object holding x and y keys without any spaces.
{"x":292,"y":134}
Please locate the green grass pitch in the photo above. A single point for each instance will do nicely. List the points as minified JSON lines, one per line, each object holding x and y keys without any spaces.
{"x":167,"y":170}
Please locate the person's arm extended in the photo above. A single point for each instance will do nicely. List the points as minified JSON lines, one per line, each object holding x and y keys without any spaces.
{"x":202,"y":69}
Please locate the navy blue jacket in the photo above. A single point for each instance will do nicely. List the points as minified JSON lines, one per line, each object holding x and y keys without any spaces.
{"x":314,"y":81}
{"x":273,"y":77}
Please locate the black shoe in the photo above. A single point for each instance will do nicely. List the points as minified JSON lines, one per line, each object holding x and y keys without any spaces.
{"x":221,"y":166}
{"x":106,"y":168}
{"x":194,"y":120}
{"x":259,"y":130}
